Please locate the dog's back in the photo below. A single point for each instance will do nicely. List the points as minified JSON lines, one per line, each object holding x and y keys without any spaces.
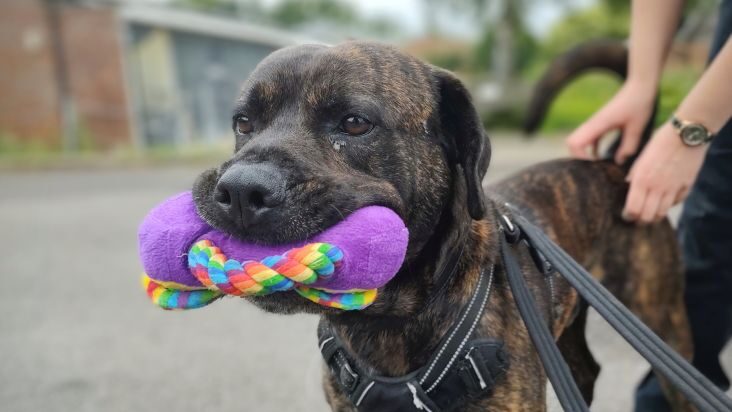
{"x":579,"y":203}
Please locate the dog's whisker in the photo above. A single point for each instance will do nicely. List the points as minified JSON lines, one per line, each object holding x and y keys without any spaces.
{"x":338,"y":211}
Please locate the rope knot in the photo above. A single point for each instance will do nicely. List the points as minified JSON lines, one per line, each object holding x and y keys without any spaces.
{"x":295,"y":269}
{"x":299,"y":266}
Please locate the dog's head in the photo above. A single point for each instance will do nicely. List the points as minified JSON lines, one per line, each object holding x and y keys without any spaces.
{"x":323,"y":131}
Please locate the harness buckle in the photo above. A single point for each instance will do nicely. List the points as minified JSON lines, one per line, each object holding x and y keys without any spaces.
{"x":348,"y":378}
{"x":512,"y":232}
{"x":541,"y":262}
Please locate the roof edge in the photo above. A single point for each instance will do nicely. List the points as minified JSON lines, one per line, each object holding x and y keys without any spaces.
{"x":192,"y":22}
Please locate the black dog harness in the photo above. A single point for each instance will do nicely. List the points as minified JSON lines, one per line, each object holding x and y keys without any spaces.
{"x":463,"y":368}
{"x":460,"y":369}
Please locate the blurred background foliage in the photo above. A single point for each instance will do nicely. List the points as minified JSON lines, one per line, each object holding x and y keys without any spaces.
{"x":504,"y":49}
{"x":499,"y":48}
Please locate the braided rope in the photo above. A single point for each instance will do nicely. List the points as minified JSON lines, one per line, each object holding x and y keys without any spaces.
{"x":295,"y":269}
{"x":168,"y":297}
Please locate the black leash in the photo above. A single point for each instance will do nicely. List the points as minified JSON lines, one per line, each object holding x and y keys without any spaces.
{"x":555,"y":366}
{"x":695,"y":386}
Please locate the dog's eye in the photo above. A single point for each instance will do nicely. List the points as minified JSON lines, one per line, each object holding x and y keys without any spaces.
{"x":243,"y":125}
{"x":355,"y":125}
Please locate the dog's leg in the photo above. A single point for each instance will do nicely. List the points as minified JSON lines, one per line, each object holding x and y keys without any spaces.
{"x":642,"y":266}
{"x":573,"y":345}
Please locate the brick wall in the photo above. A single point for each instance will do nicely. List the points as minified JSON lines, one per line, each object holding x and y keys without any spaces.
{"x":28,"y":94}
{"x":29,"y":91}
{"x":94,"y":60}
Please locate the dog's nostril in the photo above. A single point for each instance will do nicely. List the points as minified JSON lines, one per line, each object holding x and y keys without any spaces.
{"x":245,"y":192}
{"x":223,"y":196}
{"x":256,"y":199}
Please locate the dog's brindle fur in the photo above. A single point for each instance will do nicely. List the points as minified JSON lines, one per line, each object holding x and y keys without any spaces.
{"x":425,"y":159}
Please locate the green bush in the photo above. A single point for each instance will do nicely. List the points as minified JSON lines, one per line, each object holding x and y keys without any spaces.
{"x":12,"y":145}
{"x":583,"y":97}
{"x":676,"y":83}
{"x":579,"y":101}
{"x":604,"y":20}
{"x":508,"y":117}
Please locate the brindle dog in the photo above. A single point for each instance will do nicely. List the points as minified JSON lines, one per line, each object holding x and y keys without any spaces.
{"x":322,"y":131}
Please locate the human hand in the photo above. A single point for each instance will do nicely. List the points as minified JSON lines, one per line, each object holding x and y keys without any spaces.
{"x":662,"y":176}
{"x":629,"y":111}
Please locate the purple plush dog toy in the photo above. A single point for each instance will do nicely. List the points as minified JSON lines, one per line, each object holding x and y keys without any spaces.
{"x":188,"y":264}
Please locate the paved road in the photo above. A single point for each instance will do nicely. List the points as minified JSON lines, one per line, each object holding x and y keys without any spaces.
{"x":78,"y":334}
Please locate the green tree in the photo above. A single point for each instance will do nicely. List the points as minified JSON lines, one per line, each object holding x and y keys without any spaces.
{"x":249,"y":9}
{"x":291,"y":13}
{"x":605,"y":19}
{"x":505,"y":37}
{"x":524,"y":51}
{"x":210,"y":6}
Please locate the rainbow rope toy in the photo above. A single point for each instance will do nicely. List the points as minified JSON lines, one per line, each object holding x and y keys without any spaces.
{"x":223,"y":276}
{"x":187,"y":268}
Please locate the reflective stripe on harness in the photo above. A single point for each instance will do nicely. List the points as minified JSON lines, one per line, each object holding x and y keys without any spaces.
{"x":462,"y":368}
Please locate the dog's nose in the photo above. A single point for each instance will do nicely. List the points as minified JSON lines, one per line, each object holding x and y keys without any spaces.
{"x":246,"y":192}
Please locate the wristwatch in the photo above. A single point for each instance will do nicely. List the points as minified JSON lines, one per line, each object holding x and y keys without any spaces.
{"x":692,"y":134}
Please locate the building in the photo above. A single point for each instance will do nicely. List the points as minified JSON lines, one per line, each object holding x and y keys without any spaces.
{"x":99,"y":76}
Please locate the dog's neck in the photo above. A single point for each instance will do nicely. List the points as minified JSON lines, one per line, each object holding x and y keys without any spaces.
{"x":403,"y":340}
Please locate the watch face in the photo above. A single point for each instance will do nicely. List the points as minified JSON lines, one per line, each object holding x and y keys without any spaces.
{"x":694,"y":134}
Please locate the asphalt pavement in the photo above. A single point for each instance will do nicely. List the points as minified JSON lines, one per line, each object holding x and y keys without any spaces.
{"x":77,"y":333}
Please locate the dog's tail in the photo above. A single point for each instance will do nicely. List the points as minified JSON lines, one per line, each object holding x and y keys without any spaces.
{"x":608,"y":55}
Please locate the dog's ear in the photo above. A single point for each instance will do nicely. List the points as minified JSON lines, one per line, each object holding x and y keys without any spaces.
{"x":467,"y":144}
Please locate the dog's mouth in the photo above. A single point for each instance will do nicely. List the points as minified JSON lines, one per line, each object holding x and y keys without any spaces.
{"x":309,"y":209}
{"x":287,"y":303}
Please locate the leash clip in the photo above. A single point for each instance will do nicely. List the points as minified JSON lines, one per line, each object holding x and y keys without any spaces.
{"x":512,"y":232}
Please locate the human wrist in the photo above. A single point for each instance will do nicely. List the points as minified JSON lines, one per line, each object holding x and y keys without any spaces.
{"x":642,"y":87}
{"x":688,"y":113}
{"x":684,"y":137}
{"x":709,"y":102}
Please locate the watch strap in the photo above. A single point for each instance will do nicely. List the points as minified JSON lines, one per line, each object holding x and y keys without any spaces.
{"x":681,"y":125}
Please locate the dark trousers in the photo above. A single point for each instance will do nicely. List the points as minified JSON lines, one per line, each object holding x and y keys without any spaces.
{"x":705,"y":233}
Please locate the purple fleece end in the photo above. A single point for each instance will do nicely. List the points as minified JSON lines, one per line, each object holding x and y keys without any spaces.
{"x":373,"y":240}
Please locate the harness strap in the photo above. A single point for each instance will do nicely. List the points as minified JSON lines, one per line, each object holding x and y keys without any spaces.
{"x":461,"y":368}
{"x":455,"y":340}
{"x":695,"y":386}
{"x":555,"y":366}
{"x":446,"y":274}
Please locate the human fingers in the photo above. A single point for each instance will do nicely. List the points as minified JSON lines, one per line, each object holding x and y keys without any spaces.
{"x":630,"y":141}
{"x":682,"y":194}
{"x":649,"y":210}
{"x":586,"y":136}
{"x":667,"y":200}
{"x":634,"y":202}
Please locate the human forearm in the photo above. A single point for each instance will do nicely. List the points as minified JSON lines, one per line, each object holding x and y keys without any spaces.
{"x":710,"y":100}
{"x":653,"y":23}
{"x":667,"y":168}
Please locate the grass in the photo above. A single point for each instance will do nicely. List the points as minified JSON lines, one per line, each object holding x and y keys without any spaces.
{"x":579,"y":101}
{"x":29,"y":156}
